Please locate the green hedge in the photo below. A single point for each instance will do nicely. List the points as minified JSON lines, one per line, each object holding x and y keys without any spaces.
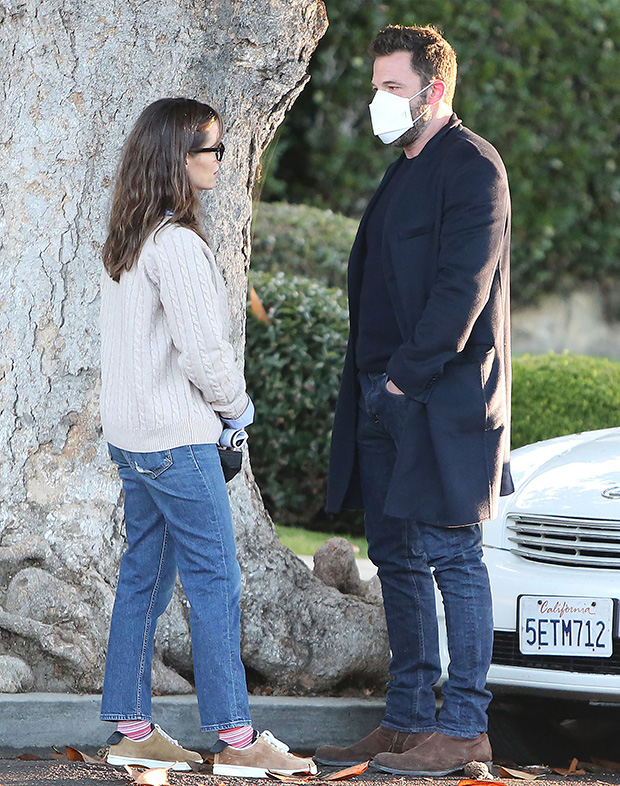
{"x":561,"y":394}
{"x":293,"y":367}
{"x":540,"y":80}
{"x":302,"y":240}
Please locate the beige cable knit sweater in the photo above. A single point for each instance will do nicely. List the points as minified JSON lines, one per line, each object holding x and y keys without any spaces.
{"x":167,"y":366}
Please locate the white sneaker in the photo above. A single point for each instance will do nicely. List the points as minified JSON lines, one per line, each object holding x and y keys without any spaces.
{"x":266,"y":754}
{"x":158,"y":750}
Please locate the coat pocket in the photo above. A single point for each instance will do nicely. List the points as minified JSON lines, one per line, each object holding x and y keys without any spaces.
{"x":465,"y":395}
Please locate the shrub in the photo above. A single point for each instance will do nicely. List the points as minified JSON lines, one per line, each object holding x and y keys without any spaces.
{"x":561,"y":394}
{"x":540,"y":80}
{"x":293,"y":367}
{"x":302,"y":240}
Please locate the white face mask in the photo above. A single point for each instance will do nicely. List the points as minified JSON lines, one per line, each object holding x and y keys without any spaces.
{"x":390,"y":114}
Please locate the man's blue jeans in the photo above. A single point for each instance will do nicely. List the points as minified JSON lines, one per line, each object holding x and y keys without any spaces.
{"x":177,"y":514}
{"x":404,"y":552}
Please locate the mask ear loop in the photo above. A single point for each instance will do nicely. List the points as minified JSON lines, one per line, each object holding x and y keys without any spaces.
{"x":421,"y":115}
{"x":430,"y":84}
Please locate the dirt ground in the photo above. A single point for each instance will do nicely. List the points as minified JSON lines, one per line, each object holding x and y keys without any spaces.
{"x":14,"y":772}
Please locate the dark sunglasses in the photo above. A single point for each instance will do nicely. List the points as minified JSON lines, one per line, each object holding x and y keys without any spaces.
{"x":219,"y":151}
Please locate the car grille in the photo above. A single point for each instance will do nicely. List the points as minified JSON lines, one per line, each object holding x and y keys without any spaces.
{"x":564,"y":541}
{"x":506,"y":653}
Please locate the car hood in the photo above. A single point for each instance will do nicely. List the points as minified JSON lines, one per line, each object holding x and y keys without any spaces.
{"x":567,"y":476}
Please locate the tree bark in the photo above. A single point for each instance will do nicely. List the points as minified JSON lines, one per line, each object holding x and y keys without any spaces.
{"x":75,"y":77}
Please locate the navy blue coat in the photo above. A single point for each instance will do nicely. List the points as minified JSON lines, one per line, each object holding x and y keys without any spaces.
{"x":446,"y":257}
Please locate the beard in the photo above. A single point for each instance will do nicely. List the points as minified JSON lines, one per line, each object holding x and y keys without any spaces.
{"x":413,"y":134}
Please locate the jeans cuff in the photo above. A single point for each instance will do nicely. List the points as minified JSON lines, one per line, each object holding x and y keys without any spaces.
{"x":114,"y":717}
{"x":464,"y":734}
{"x":413,"y":729}
{"x":228,"y":725}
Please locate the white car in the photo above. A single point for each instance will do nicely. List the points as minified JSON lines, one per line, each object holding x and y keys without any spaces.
{"x":553,"y":555}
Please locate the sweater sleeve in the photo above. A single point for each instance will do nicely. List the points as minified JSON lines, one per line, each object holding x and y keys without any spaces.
{"x":194,"y":303}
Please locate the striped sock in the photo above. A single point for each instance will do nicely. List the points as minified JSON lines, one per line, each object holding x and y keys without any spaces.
{"x":135,"y":730}
{"x":240,"y":737}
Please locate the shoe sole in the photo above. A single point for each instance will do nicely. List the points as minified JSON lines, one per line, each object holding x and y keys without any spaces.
{"x":437,"y":773}
{"x":177,"y":766}
{"x":254,"y":772}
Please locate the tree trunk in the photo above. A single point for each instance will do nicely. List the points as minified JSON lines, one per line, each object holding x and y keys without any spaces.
{"x":75,"y":77}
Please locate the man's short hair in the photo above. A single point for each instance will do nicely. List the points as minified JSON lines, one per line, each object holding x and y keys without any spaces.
{"x":432,"y":57}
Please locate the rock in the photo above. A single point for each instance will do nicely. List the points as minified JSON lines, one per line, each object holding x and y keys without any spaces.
{"x":334,"y":564}
{"x":478,"y":770}
{"x":172,"y":638}
{"x":168,"y":682}
{"x":36,"y":594}
{"x":15,"y":675}
{"x":371,"y":591}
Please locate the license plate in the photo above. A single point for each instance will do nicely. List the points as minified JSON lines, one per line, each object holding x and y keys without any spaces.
{"x":551,"y":625}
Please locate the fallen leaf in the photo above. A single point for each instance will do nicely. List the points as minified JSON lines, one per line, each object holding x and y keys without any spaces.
{"x":572,"y":770}
{"x":158,"y":776}
{"x":73,"y":754}
{"x":28,"y":757}
{"x":257,"y":307}
{"x":476,"y":782}
{"x":506,"y":772}
{"x":349,"y":772}
{"x":339,"y":775}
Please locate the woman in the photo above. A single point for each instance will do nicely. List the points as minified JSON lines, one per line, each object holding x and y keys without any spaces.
{"x":169,"y":386}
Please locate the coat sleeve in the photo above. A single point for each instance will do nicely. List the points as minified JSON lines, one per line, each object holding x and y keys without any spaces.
{"x":474,"y":223}
{"x":195,"y":309}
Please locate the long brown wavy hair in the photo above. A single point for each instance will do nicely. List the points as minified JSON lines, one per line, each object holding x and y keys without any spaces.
{"x":152,"y":184}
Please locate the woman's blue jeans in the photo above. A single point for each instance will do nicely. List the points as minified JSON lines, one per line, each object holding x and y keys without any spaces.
{"x":404,"y":552}
{"x":177,"y":515}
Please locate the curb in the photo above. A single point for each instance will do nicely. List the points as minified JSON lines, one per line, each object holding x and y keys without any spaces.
{"x":33,"y":722}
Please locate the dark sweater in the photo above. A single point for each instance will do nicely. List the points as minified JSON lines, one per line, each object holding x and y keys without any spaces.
{"x":378,"y":333}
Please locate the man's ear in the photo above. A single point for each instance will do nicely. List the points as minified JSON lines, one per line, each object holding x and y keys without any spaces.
{"x":437,"y":91}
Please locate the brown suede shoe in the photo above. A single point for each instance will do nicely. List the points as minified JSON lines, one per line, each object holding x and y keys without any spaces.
{"x":380,"y":740}
{"x":439,"y":754}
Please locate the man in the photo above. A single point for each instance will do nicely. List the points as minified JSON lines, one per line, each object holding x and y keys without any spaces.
{"x":421,"y":431}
